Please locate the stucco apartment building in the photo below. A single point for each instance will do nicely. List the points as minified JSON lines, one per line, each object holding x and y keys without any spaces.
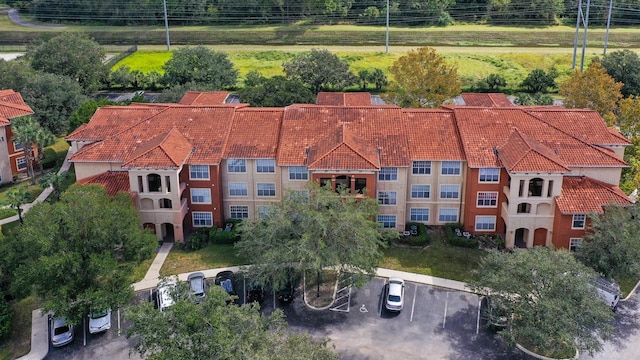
{"x":12,"y":157}
{"x":531,"y":174}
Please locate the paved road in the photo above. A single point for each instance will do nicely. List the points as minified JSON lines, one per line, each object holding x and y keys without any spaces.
{"x":15,"y":17}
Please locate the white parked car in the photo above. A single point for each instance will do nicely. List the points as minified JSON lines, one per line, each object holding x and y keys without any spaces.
{"x":166,"y":292}
{"x":395,"y":295}
{"x":609,"y":291}
{"x":99,"y":321}
{"x":61,"y":332}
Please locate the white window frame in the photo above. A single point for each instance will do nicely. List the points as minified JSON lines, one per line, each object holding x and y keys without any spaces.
{"x":485,"y":223}
{"x":453,"y":189}
{"x":452,"y":212}
{"x":574,"y":244}
{"x":266,"y":189}
{"x":236,"y":187}
{"x":239,"y":209}
{"x":17,"y":147}
{"x":487,"y":199}
{"x":578,"y":218}
{"x":263,"y":212}
{"x":387,"y":221}
{"x":200,"y":196}
{"x":387,"y":198}
{"x":298,"y":173}
{"x":415,"y":190}
{"x":419,"y":214}
{"x":266,"y":166}
{"x":201,"y":219}
{"x":421,"y":165}
{"x":237,"y":166}
{"x":197,"y":172}
{"x":388,"y":174}
{"x":487,"y":175}
{"x":21,"y":163}
{"x":451,"y":168}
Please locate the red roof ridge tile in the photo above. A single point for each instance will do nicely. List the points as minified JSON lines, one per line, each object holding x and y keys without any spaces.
{"x":582,"y":194}
{"x":532,"y":146}
{"x":177,"y":152}
{"x":342,"y":137}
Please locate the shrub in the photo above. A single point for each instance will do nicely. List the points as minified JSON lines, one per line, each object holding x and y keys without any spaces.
{"x":416,"y":240}
{"x":460,"y":241}
{"x":5,"y":317}
{"x":197,"y":240}
{"x":50,"y":158}
{"x":222,"y":237}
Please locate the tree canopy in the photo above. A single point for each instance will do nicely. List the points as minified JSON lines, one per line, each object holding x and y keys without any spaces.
{"x":593,"y":89}
{"x":214,"y":329}
{"x":624,"y":67}
{"x":76,"y":254}
{"x":310,"y":231}
{"x":27,"y":132}
{"x":550,"y":296}
{"x":276,"y":91}
{"x":611,"y":246}
{"x":202,"y":66}
{"x":320,"y":70}
{"x":422,"y":78}
{"x":539,"y":81}
{"x":72,"y":54}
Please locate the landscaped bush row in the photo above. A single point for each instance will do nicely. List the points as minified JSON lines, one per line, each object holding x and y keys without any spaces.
{"x":213,"y":235}
{"x":461,"y":241}
{"x":421,"y":239}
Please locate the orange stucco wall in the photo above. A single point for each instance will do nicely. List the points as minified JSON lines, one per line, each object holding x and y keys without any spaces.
{"x":472,"y":187}
{"x":216,"y":196}
{"x":562,"y":232}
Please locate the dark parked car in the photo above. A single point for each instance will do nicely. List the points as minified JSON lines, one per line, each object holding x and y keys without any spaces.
{"x":496,"y":313}
{"x":225,"y":279}
{"x":255,"y":293}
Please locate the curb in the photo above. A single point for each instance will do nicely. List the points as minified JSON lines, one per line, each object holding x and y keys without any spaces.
{"x":333,"y":297}
{"x":632,"y":292}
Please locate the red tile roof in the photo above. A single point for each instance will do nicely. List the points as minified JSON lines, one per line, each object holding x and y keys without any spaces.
{"x":342,"y":150}
{"x":12,"y":106}
{"x":582,"y":195}
{"x":110,"y":120}
{"x":432,"y":135}
{"x":112,"y":181}
{"x":486,"y":99}
{"x":254,"y":133}
{"x":344,"y":99}
{"x":204,"y":98}
{"x":169,"y":150}
{"x":521,"y":153}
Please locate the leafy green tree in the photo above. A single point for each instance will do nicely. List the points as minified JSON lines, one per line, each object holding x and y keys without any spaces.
{"x":363,"y":78}
{"x":594,"y":89}
{"x":16,"y":198}
{"x":5,"y":317}
{"x":81,"y":251}
{"x":378,"y":78}
{"x":311,"y":232}
{"x":277,"y":91}
{"x":151,"y":81}
{"x":539,"y":81}
{"x":72,"y":54}
{"x":121,"y":77}
{"x":629,"y":116}
{"x":423,"y":79}
{"x":611,"y":246}
{"x":15,"y":74}
{"x":56,"y":181}
{"x":526,"y":99}
{"x":320,"y":70}
{"x":202,"y":66}
{"x":84,"y":113}
{"x":624,"y":67}
{"x":495,"y":82}
{"x":28,"y":133}
{"x":214,"y":329}
{"x":548,"y":291}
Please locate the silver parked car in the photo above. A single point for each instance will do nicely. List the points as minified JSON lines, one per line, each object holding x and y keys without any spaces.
{"x":99,"y":321}
{"x":395,"y":295}
{"x":61,"y":331}
{"x":197,"y":286}
{"x":166,"y":292}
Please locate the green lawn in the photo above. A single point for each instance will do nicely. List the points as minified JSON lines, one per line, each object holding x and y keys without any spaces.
{"x":210,"y":257}
{"x":19,"y":341}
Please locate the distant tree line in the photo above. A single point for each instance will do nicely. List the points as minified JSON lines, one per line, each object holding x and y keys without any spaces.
{"x":366,"y":12}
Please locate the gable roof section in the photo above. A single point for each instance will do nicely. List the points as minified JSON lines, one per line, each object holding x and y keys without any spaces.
{"x":521,"y":153}
{"x":482,"y":129}
{"x":583,"y":195}
{"x":344,"y":99}
{"x":12,"y":106}
{"x":432,"y":134}
{"x":204,"y":98}
{"x":110,"y":120}
{"x":305,"y":126}
{"x":112,"y":181}
{"x":342,"y":150}
{"x":169,"y":150}
{"x":254,"y":133}
{"x":486,"y":99}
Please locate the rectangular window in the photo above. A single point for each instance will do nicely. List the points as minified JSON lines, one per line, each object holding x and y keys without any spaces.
{"x":422,"y":167}
{"x":578,"y":221}
{"x":301,"y":196}
{"x":263,"y":212}
{"x":448,"y":215}
{"x":21,"y":163}
{"x":485,"y":223}
{"x":237,"y":189}
{"x":450,"y":168}
{"x":487,"y":199}
{"x":298,"y":173}
{"x":387,"y":197}
{"x":387,"y":221}
{"x":237,"y":165}
{"x":199,"y":171}
{"x":574,"y":244}
{"x":420,"y":191}
{"x":266,"y":189}
{"x":266,"y":165}
{"x":388,"y":174}
{"x":449,"y":191}
{"x":200,"y":196}
{"x":17,"y":147}
{"x":239,"y":212}
{"x":201,"y":219}
{"x":489,"y":175}
{"x":419,"y":214}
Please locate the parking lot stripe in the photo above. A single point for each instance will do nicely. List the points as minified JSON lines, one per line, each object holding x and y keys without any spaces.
{"x":478,"y":320}
{"x":381,"y":301}
{"x":84,"y":331}
{"x":414,"y":301}
{"x":119,"y":328}
{"x":446,"y":304}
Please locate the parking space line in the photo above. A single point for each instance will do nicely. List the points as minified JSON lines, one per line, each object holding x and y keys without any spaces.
{"x":446,"y":304}
{"x":414,"y":301}
{"x":84,"y":331}
{"x":478,"y":319}
{"x":119,"y":332}
{"x":381,"y":301}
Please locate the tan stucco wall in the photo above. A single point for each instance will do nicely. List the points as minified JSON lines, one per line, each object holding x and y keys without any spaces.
{"x":85,"y":170}
{"x":5,"y":165}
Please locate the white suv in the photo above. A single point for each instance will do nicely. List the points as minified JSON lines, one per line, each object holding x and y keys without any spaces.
{"x":166,"y":291}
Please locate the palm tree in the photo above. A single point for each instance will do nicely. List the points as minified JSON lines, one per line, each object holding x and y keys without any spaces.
{"x":27,"y":132}
{"x":55,"y":181}
{"x":17,"y":197}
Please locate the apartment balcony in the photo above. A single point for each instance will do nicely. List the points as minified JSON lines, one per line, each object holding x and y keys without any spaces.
{"x":527,"y":220}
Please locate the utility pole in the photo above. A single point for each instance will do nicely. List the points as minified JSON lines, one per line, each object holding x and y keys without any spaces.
{"x":387,"y":38}
{"x":606,"y":34}
{"x":584,"y":20}
{"x":166,"y":24}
